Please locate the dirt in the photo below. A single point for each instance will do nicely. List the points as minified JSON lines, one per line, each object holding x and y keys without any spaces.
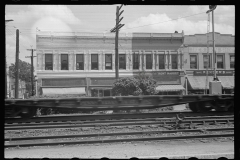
{"x":206,"y":148}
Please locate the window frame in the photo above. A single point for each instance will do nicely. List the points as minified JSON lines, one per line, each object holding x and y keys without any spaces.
{"x":196,"y":61}
{"x":94,"y":63}
{"x":230,"y":63}
{"x":110,"y":68}
{"x":176,"y":61}
{"x":124,"y":63}
{"x":77,"y":62}
{"x":46,"y":55}
{"x":66,"y":62}
{"x":210,"y":60}
{"x":223,"y":64}
{"x":147,"y":63}
{"x":164,"y":61}
{"x":136,"y":64}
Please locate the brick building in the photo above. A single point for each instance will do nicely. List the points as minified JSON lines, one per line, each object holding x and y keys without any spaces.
{"x":196,"y":61}
{"x":84,"y":63}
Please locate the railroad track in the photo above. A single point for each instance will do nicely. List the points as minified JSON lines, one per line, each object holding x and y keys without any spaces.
{"x":153,"y":131}
{"x":115,"y":116}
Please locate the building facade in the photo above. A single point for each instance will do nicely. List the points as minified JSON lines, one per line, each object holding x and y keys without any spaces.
{"x":199,"y":61}
{"x":84,"y":63}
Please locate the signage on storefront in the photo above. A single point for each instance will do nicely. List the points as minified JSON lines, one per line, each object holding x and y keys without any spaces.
{"x":167,"y":77}
{"x":211,"y":72}
{"x":217,"y":49}
{"x":66,"y":82}
{"x":166,"y":73}
{"x":102,"y":81}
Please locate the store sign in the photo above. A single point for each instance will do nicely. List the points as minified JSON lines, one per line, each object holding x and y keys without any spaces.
{"x":211,"y":72}
{"x":102,"y":81}
{"x":163,"y":73}
{"x":217,"y":49}
{"x":167,"y":77}
{"x":64,"y":82}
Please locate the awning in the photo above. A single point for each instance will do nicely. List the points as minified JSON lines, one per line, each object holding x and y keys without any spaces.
{"x":78,"y":90}
{"x":227,"y":81}
{"x":199,"y":82}
{"x":170,"y":88}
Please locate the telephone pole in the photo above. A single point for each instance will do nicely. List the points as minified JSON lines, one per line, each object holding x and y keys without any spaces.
{"x":6,"y":60}
{"x":116,"y":29}
{"x":32,"y":78}
{"x":16,"y":64}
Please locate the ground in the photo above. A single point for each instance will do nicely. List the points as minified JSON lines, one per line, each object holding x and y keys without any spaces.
{"x":178,"y":149}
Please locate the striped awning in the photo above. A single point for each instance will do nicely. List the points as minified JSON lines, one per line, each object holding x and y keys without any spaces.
{"x":199,"y":82}
{"x":227,"y":81}
{"x":77,"y":90}
{"x":165,"y":88}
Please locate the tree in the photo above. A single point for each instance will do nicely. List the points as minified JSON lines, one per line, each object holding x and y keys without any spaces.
{"x":138,"y":85}
{"x":24,"y":74}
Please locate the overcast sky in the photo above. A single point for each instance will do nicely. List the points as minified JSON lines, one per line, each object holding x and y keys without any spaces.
{"x":192,"y":19}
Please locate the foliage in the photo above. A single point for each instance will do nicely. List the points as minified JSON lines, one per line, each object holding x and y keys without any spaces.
{"x":138,"y":85}
{"x":24,"y":74}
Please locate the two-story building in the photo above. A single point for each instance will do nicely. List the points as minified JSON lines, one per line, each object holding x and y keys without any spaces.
{"x":84,"y":63}
{"x":199,"y":61}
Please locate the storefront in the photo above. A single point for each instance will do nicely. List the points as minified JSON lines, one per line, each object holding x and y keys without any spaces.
{"x":101,"y":87}
{"x":198,"y":83}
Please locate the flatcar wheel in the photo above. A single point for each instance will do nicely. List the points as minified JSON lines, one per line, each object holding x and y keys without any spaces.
{"x":205,"y":106}
{"x":28,"y":112}
{"x":193,"y":107}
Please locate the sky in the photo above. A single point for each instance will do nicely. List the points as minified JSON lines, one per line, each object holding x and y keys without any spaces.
{"x":191,"y":19}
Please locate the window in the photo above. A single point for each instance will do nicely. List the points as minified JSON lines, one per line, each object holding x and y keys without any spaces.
{"x":161,"y":61}
{"x":48,"y":62}
{"x":122,"y":61}
{"x":193,"y":61}
{"x":94,"y":61}
{"x":206,"y":61}
{"x":174,"y":61}
{"x":64,"y":62}
{"x":108,"y":61}
{"x":232,"y":61}
{"x":79,"y":62}
{"x":136,"y":61}
{"x":148,"y":61}
{"x":220,"y":61}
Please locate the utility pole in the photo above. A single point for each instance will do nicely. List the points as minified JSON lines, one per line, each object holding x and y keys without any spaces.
{"x":32,"y":78}
{"x":16,"y":64}
{"x":6,"y":60}
{"x":116,"y":29}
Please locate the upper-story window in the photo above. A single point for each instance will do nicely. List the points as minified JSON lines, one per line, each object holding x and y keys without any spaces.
{"x":193,"y":61}
{"x":161,"y":61}
{"x":136,"y":61}
{"x":122,"y":61}
{"x":94,"y":61}
{"x":206,"y":61}
{"x":149,"y":61}
{"x":220,"y":61}
{"x":64,"y":61}
{"x":174,"y":61}
{"x":108,"y":61}
{"x":79,"y":61}
{"x":48,"y":61}
{"x":232,"y":61}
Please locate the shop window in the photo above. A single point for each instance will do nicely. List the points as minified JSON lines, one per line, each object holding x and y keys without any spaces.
{"x":220,"y":61}
{"x":149,"y":61}
{"x":232,"y":61}
{"x":79,"y":62}
{"x":136,"y":61}
{"x":94,"y":61}
{"x":161,"y":61}
{"x":48,"y":62}
{"x":206,"y":61}
{"x":193,"y":61}
{"x":174,"y":61}
{"x":122,"y":61}
{"x":64,"y":61}
{"x":108,"y":61}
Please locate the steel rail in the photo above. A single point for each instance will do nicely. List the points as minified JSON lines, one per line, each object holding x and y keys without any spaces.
{"x":112,"y":116}
{"x":159,"y":122}
{"x":119,"y":140}
{"x":110,"y":121}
